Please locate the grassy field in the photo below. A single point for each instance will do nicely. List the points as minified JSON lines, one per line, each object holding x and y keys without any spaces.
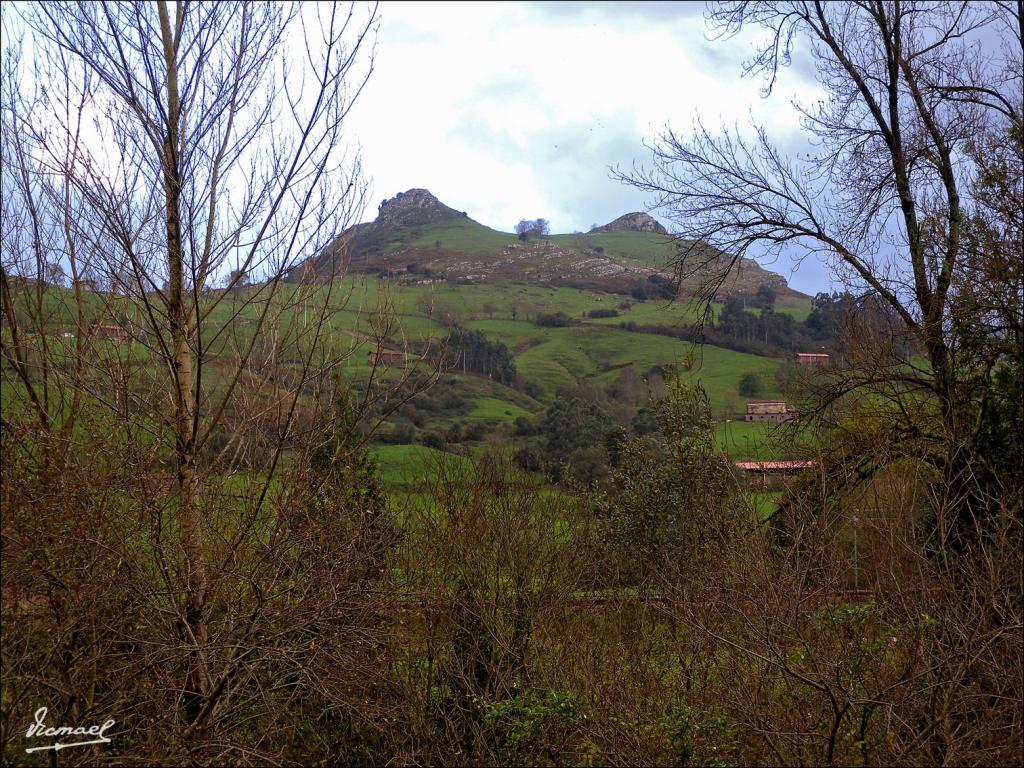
{"x":765,"y":502}
{"x":750,"y":440}
{"x":593,"y":352}
{"x":406,"y":465}
{"x":468,"y":236}
{"x":644,"y":248}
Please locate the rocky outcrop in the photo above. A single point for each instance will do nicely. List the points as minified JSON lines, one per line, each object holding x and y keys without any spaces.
{"x":414,"y":208}
{"x":633,"y":222}
{"x":413,"y":240}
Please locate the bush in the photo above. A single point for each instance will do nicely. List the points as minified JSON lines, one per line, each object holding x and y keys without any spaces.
{"x":530,"y":457}
{"x":401,"y":434}
{"x":552,"y":320}
{"x":532,"y":389}
{"x":589,"y":465}
{"x":524,"y":426}
{"x":645,"y":422}
{"x":476,"y":431}
{"x":603,"y":313}
{"x":750,"y":385}
{"x":452,"y":401}
{"x":432,"y":440}
{"x":479,"y":535}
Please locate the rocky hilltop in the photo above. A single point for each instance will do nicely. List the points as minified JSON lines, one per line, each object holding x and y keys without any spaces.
{"x":414,"y":208}
{"x":417,"y":238}
{"x":632,"y":222}
{"x":407,"y":214}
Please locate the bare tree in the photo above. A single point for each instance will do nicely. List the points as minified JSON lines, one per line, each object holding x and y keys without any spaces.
{"x":909,"y":89}
{"x":183,"y":85}
{"x":527,"y":227}
{"x":910,"y":191}
{"x":163,"y":145}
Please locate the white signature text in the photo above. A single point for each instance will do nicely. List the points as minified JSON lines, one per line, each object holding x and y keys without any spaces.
{"x":39,"y":729}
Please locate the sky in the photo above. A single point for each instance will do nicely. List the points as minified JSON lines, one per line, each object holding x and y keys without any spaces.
{"x":518,"y":110}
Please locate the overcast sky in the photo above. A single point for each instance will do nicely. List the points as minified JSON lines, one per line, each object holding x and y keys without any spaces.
{"x":510,"y":110}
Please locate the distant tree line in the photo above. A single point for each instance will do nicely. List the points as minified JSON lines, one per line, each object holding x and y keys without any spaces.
{"x":772,"y":333}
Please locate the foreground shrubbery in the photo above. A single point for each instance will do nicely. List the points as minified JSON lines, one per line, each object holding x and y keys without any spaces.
{"x":504,"y":622}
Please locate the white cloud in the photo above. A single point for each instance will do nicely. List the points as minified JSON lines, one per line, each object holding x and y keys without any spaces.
{"x":509,"y":110}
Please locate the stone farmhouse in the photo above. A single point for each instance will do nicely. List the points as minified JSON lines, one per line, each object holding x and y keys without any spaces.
{"x":385,"y":357}
{"x":767,"y":475}
{"x":768,"y":410}
{"x":813,"y":359}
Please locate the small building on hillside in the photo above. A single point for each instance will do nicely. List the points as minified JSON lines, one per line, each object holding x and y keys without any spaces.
{"x":769,"y":475}
{"x":768,"y":410}
{"x":385,"y":357}
{"x":813,"y":359}
{"x":109,"y":331}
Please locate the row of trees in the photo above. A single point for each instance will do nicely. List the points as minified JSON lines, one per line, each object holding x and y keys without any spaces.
{"x":832,"y":316}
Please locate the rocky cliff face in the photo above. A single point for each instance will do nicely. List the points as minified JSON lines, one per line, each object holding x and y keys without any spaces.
{"x":414,"y":207}
{"x":633,"y":222}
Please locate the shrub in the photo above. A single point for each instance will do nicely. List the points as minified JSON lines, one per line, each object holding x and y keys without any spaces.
{"x":533,"y":389}
{"x":475,"y":431}
{"x":432,"y":440}
{"x":524,"y":426}
{"x":750,"y":385}
{"x":530,"y":457}
{"x":589,"y":465}
{"x":401,"y":434}
{"x":495,"y":557}
{"x":552,"y":320}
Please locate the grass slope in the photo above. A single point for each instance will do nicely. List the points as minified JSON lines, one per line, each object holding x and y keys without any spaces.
{"x":595,"y":352}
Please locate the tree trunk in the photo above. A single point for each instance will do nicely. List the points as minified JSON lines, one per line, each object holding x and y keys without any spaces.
{"x":197,"y":682}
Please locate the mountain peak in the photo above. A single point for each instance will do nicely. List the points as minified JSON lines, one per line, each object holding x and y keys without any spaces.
{"x":414,"y":207}
{"x":633,"y":222}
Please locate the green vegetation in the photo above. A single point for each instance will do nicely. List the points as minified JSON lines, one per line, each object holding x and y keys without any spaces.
{"x":592,"y":352}
{"x":485,"y":507}
{"x":463,"y":236}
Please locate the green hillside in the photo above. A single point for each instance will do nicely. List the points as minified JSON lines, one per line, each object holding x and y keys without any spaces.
{"x":591,"y":315}
{"x":620,"y":367}
{"x":419,"y":238}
